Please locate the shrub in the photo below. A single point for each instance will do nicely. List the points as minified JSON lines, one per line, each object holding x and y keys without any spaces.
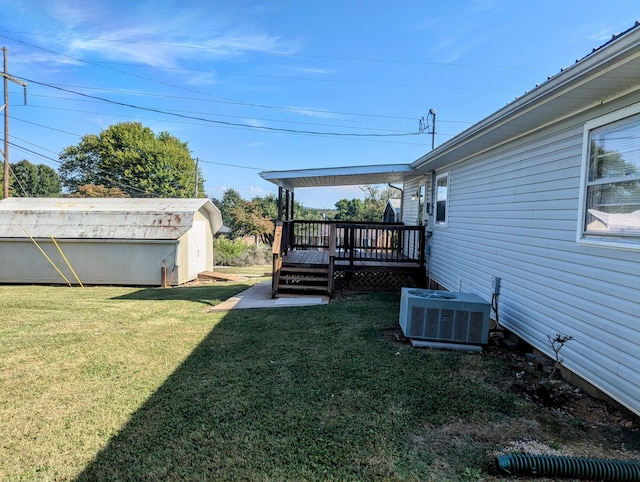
{"x":227,"y":252}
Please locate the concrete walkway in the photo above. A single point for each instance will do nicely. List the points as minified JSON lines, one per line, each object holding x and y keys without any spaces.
{"x":259,"y":296}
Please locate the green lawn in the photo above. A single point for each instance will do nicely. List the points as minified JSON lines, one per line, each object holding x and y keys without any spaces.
{"x":257,"y":270}
{"x":145,"y":384}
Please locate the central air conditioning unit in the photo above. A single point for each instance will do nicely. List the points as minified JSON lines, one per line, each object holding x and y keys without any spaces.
{"x":443,"y":318}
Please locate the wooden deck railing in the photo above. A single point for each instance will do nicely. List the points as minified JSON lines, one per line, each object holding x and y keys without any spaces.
{"x":381,"y":242}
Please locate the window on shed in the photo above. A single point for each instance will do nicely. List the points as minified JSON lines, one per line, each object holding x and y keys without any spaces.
{"x":442,"y":198}
{"x":612,"y":197}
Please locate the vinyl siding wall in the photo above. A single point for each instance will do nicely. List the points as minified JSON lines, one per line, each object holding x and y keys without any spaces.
{"x":411,"y":209}
{"x":513,"y":213}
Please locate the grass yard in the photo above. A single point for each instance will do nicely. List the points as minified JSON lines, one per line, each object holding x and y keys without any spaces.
{"x":144,"y":384}
{"x":257,"y":270}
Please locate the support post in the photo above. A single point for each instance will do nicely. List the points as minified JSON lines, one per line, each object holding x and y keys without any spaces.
{"x":279,"y":203}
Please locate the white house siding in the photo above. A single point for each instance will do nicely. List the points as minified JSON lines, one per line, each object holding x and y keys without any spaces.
{"x":410,"y":211}
{"x":409,"y":206}
{"x":513,"y":213}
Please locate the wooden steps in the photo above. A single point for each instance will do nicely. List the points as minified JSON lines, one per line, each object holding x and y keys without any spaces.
{"x":300,"y":279}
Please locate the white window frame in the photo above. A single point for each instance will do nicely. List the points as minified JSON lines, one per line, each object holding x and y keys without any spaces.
{"x":445,"y":223}
{"x":583,"y":238}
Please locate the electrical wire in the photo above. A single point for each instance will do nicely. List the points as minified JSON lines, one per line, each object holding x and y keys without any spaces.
{"x":226,"y":123}
{"x":259,"y":52}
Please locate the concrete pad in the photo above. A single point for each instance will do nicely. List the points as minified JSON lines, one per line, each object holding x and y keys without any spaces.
{"x":259,"y":296}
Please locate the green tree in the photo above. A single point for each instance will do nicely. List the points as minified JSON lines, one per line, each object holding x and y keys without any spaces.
{"x":248,"y":218}
{"x":369,"y":209}
{"x":132,"y":158}
{"x":93,"y":190}
{"x":230,"y":199}
{"x":33,"y":180}
{"x":348,"y":210}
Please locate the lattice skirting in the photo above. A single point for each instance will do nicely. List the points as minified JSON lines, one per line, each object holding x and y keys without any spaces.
{"x":373,"y":281}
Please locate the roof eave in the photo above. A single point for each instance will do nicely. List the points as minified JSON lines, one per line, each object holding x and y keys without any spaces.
{"x":619,"y":51}
{"x":339,"y":176}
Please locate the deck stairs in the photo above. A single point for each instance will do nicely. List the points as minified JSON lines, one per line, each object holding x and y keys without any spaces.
{"x":299,"y":279}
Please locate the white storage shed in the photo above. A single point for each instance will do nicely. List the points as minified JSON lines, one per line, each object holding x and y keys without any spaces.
{"x":115,"y":241}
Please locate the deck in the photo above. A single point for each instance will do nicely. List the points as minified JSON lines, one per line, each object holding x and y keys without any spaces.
{"x":317,"y":256}
{"x":311,"y":258}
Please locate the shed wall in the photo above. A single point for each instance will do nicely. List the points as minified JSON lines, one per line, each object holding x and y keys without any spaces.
{"x":513,"y":213}
{"x":95,"y":262}
{"x":195,"y":250}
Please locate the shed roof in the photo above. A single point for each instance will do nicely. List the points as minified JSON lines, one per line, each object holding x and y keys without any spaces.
{"x":103,"y":218}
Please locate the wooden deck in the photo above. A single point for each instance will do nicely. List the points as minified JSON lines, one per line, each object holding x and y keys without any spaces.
{"x":312,"y":257}
{"x":306,"y":257}
{"x":318,"y":256}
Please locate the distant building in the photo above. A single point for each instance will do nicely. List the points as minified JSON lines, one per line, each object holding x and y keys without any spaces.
{"x":392,"y":213}
{"x":117,"y":241}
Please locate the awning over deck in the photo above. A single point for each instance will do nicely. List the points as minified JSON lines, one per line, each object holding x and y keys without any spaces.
{"x":340,"y":176}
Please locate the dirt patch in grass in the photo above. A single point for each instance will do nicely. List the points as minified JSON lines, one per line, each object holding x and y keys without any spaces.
{"x":559,"y":419}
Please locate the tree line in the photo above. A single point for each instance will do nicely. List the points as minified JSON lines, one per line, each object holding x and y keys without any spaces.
{"x":130,"y":160}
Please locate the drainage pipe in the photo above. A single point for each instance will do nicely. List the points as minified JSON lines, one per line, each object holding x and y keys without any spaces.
{"x":580,"y":467}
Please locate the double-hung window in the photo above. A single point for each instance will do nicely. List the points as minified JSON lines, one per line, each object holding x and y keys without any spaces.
{"x":611,"y":180}
{"x":442,"y":198}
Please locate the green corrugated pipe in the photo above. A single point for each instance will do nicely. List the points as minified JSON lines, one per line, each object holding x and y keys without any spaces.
{"x":579,"y":467}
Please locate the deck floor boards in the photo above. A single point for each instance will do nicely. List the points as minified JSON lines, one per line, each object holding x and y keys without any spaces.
{"x":310,"y":257}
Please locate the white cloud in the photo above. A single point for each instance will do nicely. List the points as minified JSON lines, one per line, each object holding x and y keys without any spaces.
{"x":158,"y":34}
{"x":312,"y":112}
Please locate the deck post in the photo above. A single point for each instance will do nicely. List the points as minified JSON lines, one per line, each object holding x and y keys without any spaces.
{"x":332,"y":257}
{"x":422,"y":245}
{"x":277,"y":259}
{"x":279,"y":203}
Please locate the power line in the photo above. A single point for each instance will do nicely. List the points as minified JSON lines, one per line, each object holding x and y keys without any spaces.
{"x":278,"y":54}
{"x":294,"y":110}
{"x":232,"y":165}
{"x":234,"y":124}
{"x":220,"y":115}
{"x":360,"y":139}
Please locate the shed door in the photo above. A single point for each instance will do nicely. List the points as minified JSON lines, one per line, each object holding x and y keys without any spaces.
{"x":197,"y":248}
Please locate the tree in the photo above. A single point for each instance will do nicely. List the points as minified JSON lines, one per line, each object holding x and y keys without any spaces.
{"x":248,"y":218}
{"x":132,"y":158}
{"x":93,"y":190}
{"x":230,"y":199}
{"x":371,"y":208}
{"x":348,"y":210}
{"x":33,"y":180}
{"x":256,"y":217}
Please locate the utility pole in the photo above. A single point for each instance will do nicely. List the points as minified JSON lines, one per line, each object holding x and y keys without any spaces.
{"x":5,"y":153}
{"x":424,"y":125}
{"x":197,"y":162}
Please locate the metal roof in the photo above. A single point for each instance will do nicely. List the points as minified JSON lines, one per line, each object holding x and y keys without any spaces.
{"x":103,"y":218}
{"x":339,"y":176}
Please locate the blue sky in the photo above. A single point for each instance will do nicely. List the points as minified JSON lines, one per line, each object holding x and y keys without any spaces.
{"x":276,"y":85}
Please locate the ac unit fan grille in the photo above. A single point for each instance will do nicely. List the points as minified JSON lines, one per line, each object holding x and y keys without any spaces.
{"x":459,"y":318}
